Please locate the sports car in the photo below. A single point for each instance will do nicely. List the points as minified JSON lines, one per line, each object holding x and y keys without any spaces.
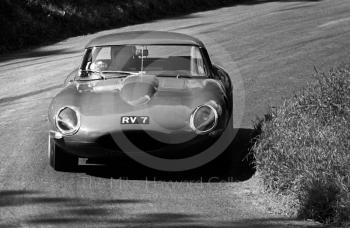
{"x":139,"y":92}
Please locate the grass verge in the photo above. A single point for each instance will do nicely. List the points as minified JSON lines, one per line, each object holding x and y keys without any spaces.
{"x":303,"y":151}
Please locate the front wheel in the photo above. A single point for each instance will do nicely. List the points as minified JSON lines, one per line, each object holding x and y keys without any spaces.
{"x":237,"y":160}
{"x":59,"y":159}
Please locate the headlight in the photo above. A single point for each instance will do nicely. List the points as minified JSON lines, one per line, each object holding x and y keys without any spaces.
{"x":68,"y":120}
{"x":204,"y":119}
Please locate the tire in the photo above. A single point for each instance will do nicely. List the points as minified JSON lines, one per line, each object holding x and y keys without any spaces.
{"x":237,"y":161}
{"x":61,"y":160}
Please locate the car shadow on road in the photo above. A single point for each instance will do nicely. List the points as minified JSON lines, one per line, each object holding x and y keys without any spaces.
{"x":238,"y":167}
{"x":54,"y":211}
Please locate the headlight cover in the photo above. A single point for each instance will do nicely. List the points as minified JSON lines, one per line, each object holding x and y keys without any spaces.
{"x":204,"y":119}
{"x":68,"y":120}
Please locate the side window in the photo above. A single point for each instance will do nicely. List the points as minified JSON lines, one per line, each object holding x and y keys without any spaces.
{"x":197,"y":63}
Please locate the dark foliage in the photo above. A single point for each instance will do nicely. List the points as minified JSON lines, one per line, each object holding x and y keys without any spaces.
{"x":31,"y":22}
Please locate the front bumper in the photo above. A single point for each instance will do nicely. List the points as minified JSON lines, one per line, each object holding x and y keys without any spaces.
{"x":116,"y":144}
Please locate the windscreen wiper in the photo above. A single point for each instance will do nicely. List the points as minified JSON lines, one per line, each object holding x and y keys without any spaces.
{"x":173,"y":75}
{"x":183,"y":76}
{"x":103,"y":76}
{"x":120,"y":72}
{"x":100,"y":73}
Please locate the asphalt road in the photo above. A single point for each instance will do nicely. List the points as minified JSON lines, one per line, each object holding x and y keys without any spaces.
{"x":269,"y":47}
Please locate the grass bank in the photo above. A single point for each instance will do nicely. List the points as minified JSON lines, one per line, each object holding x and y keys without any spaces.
{"x":303,"y":151}
{"x":32,"y":22}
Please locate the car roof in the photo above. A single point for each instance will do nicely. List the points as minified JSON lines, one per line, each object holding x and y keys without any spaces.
{"x":144,"y":37}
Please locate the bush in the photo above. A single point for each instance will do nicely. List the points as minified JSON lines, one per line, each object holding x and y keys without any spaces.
{"x":33,"y":22}
{"x":304,"y":148}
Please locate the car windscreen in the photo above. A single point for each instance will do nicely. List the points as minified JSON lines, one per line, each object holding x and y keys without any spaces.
{"x":160,"y":60}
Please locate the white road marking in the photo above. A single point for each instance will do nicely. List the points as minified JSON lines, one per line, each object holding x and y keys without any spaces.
{"x":334,"y":22}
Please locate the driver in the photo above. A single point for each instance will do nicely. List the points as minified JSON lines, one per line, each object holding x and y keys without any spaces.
{"x":123,"y":58}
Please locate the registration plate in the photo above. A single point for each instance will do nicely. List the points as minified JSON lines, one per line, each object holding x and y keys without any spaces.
{"x":134,"y":120}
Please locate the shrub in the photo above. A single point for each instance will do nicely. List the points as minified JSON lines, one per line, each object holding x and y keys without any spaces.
{"x":304,"y":148}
